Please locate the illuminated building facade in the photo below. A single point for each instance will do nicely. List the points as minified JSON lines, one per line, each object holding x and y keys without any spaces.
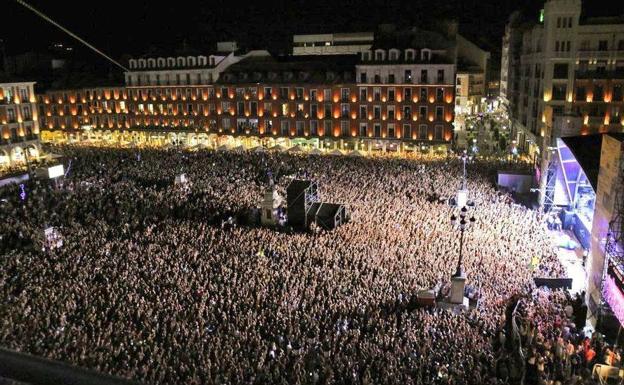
{"x":19,"y":124}
{"x":401,"y":100}
{"x":570,"y":78}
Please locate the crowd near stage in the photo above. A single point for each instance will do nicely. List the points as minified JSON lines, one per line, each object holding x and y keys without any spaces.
{"x":170,"y":266}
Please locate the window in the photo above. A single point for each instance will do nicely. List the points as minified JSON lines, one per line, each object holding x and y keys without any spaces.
{"x":407,"y":131}
{"x":377,"y":78}
{"x":598,"y":93}
{"x":328,"y":111}
{"x":391,"y":78}
{"x":267,"y":92}
{"x":407,"y":112}
{"x":391,"y":130}
{"x":423,"y":94}
{"x":601,"y":66}
{"x":439,"y":129}
{"x":11,"y":114}
{"x":254,"y":108}
{"x":621,"y":45}
{"x":440,"y":94}
{"x":268,"y":126}
{"x":377,"y":130}
{"x":569,"y":22}
{"x":363,"y":112}
{"x":617,"y":92}
{"x":327,"y":126}
{"x":268,"y":108}
{"x":391,"y":94}
{"x":284,"y":109}
{"x":27,"y":113}
{"x":283,"y":93}
{"x":327,"y":95}
{"x":300,"y":127}
{"x":313,"y":111}
{"x":557,"y":46}
{"x":408,"y":76}
{"x":440,"y":76}
{"x":313,"y":96}
{"x":344,"y":110}
{"x":240,"y":108}
{"x":422,"y":131}
{"x":603,"y":45}
{"x":560,"y":71}
{"x":363,"y":95}
{"x":581,"y":93}
{"x":314,"y":127}
{"x":376,"y":112}
{"x":225,"y":123}
{"x":439,"y":114}
{"x":344,"y":127}
{"x":559,"y":92}
{"x":298,"y":93}
{"x":344,"y":94}
{"x":224,"y":92}
{"x":284,"y":127}
{"x":377,"y":94}
{"x":390,"y":111}
{"x":363,"y":130}
{"x":422,"y":112}
{"x":424,"y":77}
{"x":558,"y":22}
{"x":407,"y":94}
{"x":363,"y":78}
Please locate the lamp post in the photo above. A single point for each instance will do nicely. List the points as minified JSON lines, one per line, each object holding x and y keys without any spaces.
{"x":463,"y":225}
{"x":462,"y":193}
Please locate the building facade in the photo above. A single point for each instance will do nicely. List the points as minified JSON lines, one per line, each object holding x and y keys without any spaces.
{"x":19,"y":124}
{"x":388,"y":100}
{"x":562,"y":75}
{"x":333,"y":43}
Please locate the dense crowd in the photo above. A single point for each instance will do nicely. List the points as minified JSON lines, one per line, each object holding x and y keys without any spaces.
{"x":148,"y":286}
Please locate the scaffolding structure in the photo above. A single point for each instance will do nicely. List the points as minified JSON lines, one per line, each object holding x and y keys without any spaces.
{"x":614,"y":246}
{"x":551,"y":178}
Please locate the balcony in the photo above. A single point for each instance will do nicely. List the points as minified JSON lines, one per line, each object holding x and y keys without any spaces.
{"x":594,"y":54}
{"x":599,"y":74}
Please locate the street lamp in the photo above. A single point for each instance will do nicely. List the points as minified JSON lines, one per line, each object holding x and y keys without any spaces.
{"x":464,"y":224}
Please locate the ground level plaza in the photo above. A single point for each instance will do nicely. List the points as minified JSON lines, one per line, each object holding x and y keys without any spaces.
{"x":211,"y":140}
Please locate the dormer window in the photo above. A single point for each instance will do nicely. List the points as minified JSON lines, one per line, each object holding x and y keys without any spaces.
{"x":170,"y":62}
{"x":160,"y":62}
{"x":142,"y":63}
{"x":425,"y":54}
{"x":393,"y":55}
{"x":410,"y":54}
{"x":380,"y":55}
{"x":366,"y":55}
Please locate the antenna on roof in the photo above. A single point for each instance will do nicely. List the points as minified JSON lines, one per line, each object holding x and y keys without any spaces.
{"x":46,"y":18}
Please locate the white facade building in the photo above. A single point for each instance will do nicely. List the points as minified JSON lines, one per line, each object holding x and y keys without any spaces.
{"x":19,"y":124}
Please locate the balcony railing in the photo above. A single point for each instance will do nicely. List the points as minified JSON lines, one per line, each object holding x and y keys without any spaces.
{"x":599,"y":74}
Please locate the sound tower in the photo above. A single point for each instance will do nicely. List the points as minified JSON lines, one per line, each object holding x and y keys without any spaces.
{"x":300,"y":196}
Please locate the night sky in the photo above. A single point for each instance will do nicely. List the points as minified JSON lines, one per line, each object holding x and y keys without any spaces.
{"x":134,"y":27}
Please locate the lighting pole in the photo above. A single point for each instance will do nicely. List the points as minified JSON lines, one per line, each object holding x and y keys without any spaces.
{"x":463,"y":225}
{"x":465,"y":158}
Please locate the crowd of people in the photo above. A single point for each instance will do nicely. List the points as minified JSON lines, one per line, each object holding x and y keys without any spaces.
{"x":148,"y":286}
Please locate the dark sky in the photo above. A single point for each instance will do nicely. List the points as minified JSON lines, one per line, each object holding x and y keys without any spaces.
{"x":136,"y":26}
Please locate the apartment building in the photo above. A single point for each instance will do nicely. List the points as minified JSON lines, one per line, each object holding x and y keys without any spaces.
{"x":19,"y":123}
{"x":333,"y":43}
{"x":562,"y":75}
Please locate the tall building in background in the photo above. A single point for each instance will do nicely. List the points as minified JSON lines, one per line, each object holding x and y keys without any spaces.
{"x":19,"y":125}
{"x":565,"y":78}
{"x":333,"y":43}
